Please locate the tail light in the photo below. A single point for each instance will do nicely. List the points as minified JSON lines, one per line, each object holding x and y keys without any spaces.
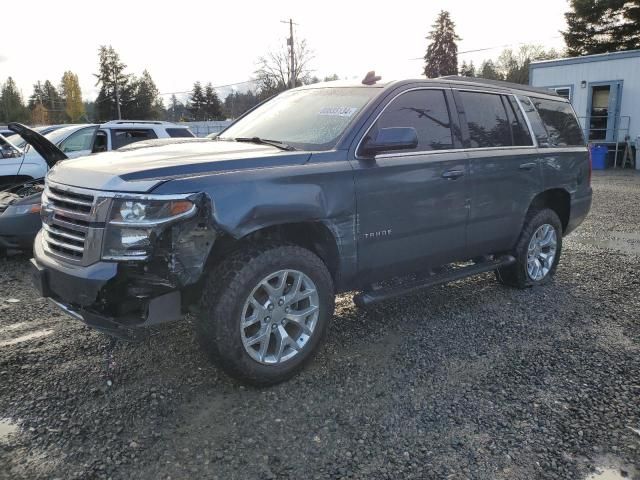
{"x":590,"y":166}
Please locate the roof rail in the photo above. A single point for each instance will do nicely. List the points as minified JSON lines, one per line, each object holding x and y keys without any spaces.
{"x":147,"y":122}
{"x":499,"y":83}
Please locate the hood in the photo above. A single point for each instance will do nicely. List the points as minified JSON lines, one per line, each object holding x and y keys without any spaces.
{"x":140,"y":168}
{"x":44,"y":147}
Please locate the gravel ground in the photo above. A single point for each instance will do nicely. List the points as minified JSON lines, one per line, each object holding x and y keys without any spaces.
{"x":469,"y":381}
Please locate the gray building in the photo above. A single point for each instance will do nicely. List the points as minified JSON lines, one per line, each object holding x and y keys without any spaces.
{"x":604,"y":90}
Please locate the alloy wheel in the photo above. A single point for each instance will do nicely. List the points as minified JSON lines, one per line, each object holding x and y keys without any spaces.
{"x":279,"y":317}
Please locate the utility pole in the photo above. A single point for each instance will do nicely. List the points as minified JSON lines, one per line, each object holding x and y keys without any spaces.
{"x":292,"y":54}
{"x":292,"y":79}
{"x":115,"y":83}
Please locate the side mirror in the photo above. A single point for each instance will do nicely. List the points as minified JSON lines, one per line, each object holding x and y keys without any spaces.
{"x":391,"y":139}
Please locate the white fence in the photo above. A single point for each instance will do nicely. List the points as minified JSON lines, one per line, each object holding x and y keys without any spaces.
{"x":202,"y":129}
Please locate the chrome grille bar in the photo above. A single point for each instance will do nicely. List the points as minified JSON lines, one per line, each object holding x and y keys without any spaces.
{"x":67,"y":216}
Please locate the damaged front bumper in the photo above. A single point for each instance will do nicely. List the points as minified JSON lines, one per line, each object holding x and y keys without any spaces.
{"x":83,"y":293}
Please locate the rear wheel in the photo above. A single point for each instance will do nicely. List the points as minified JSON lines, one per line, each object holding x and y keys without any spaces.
{"x":537,"y":251}
{"x":264,"y":311}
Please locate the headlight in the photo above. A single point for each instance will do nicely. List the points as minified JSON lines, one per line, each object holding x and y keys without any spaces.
{"x":15,"y":210}
{"x":134,"y":224}
{"x":148,"y":212}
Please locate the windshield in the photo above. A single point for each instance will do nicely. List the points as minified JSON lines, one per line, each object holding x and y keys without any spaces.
{"x":59,"y":135}
{"x":312,"y":119}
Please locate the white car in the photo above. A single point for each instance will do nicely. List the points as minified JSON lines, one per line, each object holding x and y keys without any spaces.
{"x":79,"y":140}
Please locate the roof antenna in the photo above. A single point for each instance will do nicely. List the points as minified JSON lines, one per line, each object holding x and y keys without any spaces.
{"x":370,"y":78}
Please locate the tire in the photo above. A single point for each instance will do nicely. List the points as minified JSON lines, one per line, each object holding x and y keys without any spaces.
{"x":518,"y":274}
{"x":226,"y":301}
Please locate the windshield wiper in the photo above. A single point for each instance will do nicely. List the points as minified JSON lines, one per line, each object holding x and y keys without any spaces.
{"x":264,"y":141}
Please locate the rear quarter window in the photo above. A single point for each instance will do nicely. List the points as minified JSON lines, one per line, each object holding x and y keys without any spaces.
{"x":122,"y":137}
{"x":179,"y":133}
{"x":560,"y":122}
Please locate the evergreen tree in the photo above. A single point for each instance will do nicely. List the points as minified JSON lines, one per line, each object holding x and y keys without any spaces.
{"x":442,"y":54}
{"x":37,"y":97}
{"x":628,"y":33}
{"x":489,"y":71}
{"x":72,"y":97}
{"x":12,"y":109}
{"x":237,"y":103}
{"x":110,"y":77}
{"x":196,"y":102}
{"x":53,"y":103}
{"x":145,"y":102}
{"x":89,"y":112}
{"x":212,"y":105}
{"x":600,"y":26}
{"x":467,"y":69}
{"x":176,"y":111}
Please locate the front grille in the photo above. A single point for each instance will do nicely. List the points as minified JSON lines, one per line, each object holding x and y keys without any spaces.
{"x":67,"y":221}
{"x":70,"y":201}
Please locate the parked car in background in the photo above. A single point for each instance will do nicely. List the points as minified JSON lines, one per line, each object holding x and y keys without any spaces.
{"x":19,"y":142}
{"x":323,"y":189}
{"x":20,"y":203}
{"x":8,"y":149}
{"x":78,"y":140}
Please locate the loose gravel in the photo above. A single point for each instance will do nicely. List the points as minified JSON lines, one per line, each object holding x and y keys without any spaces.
{"x":471,"y":380}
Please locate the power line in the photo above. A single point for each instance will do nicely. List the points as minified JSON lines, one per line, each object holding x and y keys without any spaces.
{"x":498,"y":46}
{"x":214,"y":86}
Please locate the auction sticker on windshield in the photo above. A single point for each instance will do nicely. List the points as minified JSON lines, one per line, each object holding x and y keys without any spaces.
{"x":338,"y":111}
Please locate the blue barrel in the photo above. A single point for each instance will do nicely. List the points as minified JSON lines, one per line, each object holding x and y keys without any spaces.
{"x":599,"y":157}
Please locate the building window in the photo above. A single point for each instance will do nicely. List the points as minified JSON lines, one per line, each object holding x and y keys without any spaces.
{"x":565,"y":92}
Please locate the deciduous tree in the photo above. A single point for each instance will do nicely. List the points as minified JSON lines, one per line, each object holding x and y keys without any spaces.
{"x":513,"y":65}
{"x":274,"y":69}
{"x":72,"y":96}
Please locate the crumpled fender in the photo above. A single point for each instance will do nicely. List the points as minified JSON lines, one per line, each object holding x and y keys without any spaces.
{"x":246,"y":201}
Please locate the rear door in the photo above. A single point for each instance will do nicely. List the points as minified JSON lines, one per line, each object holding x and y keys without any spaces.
{"x":564,"y":158}
{"x":412,"y":205}
{"x":505,"y":169}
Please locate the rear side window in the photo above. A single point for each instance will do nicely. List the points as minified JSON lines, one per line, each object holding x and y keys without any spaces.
{"x":122,"y":137}
{"x":179,"y":132}
{"x":560,"y":122}
{"x":487,"y":120}
{"x":424,"y":110}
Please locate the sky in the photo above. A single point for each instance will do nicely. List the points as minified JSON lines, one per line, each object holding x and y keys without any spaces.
{"x":219,"y":42}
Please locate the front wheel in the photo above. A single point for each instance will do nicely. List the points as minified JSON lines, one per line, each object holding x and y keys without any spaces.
{"x":537,"y":251}
{"x":264,"y":311}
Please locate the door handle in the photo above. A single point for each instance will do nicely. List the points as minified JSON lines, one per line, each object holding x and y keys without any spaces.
{"x":452,"y":174}
{"x":528,"y":166}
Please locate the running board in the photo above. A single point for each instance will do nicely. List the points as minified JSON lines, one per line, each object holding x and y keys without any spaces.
{"x":374,"y":296}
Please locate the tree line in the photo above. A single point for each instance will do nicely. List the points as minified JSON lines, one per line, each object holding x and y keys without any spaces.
{"x":593,"y":26}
